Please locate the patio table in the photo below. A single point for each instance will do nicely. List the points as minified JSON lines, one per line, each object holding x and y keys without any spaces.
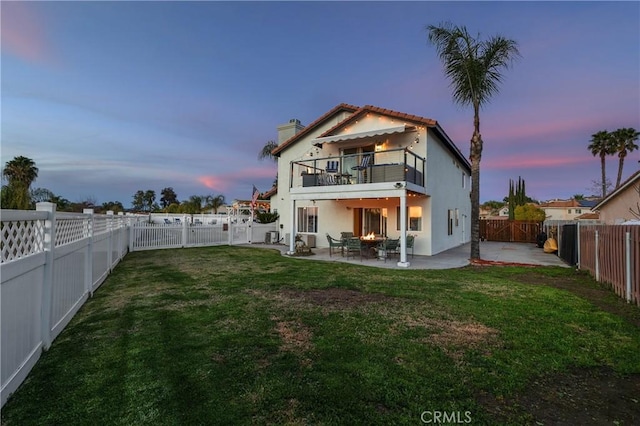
{"x":371,"y":244}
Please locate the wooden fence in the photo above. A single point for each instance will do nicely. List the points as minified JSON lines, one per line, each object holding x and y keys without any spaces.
{"x":514,"y":231}
{"x":611,"y":253}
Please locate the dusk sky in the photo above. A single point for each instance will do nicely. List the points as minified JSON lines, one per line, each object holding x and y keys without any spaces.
{"x":113,"y":97}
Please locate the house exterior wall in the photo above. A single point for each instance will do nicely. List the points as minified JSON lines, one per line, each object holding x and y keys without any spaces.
{"x":617,"y":209}
{"x":563,"y":213}
{"x":444,"y":184}
{"x":449,"y":187}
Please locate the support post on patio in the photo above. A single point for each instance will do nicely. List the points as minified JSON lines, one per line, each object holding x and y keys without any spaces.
{"x":292,"y":234}
{"x":403,"y":231}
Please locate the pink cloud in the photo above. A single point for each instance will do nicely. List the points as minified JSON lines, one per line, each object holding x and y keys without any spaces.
{"x":212,"y":182}
{"x":534,"y":162}
{"x":22,"y":33}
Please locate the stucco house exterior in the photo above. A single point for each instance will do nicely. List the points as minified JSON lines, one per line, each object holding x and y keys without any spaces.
{"x":372,"y":170}
{"x":622,"y":204}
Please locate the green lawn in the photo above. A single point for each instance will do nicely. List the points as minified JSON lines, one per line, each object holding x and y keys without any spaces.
{"x":237,"y":335}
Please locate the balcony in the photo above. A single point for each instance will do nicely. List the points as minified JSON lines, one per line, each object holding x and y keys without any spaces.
{"x":390,"y":166}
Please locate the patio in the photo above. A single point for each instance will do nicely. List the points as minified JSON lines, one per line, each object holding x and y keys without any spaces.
{"x":520,"y":253}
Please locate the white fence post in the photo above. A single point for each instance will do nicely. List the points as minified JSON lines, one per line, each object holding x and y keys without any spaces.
{"x":47,"y":282}
{"x":627,"y":261}
{"x":88,"y":269}
{"x":110,"y":240}
{"x":185,"y":234}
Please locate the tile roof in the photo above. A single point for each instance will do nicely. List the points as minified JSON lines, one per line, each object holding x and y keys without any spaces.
{"x":270,"y":193}
{"x":358,"y":112}
{"x":339,"y":108}
{"x":588,"y":216}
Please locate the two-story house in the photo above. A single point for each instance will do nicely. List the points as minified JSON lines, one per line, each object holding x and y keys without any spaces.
{"x":370,"y":170}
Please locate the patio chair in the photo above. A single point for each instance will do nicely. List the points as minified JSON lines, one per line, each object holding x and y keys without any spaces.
{"x":332,"y":166}
{"x":410,"y":241}
{"x":334,"y":243}
{"x":344,"y":236}
{"x":364,"y":164}
{"x":391,"y":247}
{"x":167,"y":221}
{"x":354,"y":246}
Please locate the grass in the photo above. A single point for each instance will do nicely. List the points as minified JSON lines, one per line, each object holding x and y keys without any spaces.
{"x":233,"y":335}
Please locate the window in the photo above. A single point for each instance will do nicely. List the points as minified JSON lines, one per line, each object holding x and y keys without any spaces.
{"x":578,"y":211}
{"x":414,"y":218}
{"x":374,"y":220}
{"x":307,"y":219}
{"x":457,"y":217}
{"x":569,"y":211}
{"x":464,"y":180}
{"x":449,"y":222}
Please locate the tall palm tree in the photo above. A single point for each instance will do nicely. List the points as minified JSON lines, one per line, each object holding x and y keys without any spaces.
{"x":20,"y":173}
{"x":623,"y":143}
{"x":474,"y":70}
{"x":265,"y":152}
{"x":601,"y":145}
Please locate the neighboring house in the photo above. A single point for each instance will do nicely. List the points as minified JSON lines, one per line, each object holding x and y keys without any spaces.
{"x":372,"y":170}
{"x":565,"y":209}
{"x":622,"y":204}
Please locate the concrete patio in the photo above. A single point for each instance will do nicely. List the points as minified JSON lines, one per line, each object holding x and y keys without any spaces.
{"x":521,"y":253}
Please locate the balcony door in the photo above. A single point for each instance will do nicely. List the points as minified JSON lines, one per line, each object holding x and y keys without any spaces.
{"x":367,"y":220}
{"x":353,"y":156}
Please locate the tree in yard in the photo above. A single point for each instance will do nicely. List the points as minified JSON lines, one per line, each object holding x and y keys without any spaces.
{"x":517,"y":196}
{"x":20,"y":173}
{"x":265,"y":152}
{"x":149,"y":199}
{"x":623,"y":143}
{"x":114,"y":206}
{"x":602,"y":145}
{"x":168,"y":197}
{"x":529,"y":212}
{"x":138,"y":201}
{"x":214,"y":202}
{"x":474,"y":68}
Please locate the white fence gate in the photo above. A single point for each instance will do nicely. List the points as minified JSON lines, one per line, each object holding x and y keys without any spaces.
{"x":52,"y":262}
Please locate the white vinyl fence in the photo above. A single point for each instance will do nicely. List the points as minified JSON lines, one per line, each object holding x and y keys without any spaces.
{"x":53,"y":262}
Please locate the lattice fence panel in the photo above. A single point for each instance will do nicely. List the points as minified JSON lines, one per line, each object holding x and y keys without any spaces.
{"x":21,"y":238}
{"x":69,"y":230}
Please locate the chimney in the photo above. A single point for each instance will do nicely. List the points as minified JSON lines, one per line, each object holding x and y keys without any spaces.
{"x":287,"y":131}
